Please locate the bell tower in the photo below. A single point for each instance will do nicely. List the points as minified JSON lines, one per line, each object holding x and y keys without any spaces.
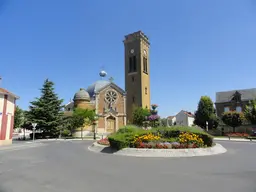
{"x":137,"y":72}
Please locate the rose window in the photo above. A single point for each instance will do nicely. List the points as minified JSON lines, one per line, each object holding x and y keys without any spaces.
{"x":111,"y":96}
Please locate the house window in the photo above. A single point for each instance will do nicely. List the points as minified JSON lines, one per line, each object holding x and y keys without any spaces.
{"x":146,"y":90}
{"x":145,"y":65}
{"x":226,"y":109}
{"x":133,"y":99}
{"x":132,"y":64}
{"x":238,"y":109}
{"x":133,"y":79}
{"x":69,"y":109}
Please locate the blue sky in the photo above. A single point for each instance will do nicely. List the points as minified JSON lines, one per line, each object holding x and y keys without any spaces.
{"x":197,"y":47}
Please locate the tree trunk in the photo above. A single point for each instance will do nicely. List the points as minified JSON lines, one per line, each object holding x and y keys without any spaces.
{"x":234,"y":129}
{"x":82,"y":133}
{"x":24,"y":134}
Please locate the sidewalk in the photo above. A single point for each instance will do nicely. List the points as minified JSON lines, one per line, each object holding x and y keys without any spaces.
{"x":233,"y":139}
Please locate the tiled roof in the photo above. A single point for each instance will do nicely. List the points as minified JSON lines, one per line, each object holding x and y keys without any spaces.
{"x":189,"y":114}
{"x":226,"y":96}
{"x":5,"y":92}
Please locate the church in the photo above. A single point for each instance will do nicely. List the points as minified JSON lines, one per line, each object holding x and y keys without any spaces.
{"x":112,"y":104}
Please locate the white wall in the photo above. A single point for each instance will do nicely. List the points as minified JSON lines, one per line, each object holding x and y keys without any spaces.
{"x":190,"y":121}
{"x":1,"y":109}
{"x":10,"y":113}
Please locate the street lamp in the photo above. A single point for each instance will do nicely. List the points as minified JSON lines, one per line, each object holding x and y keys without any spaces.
{"x":207,"y":126}
{"x":34,"y":128}
{"x":94,"y":126}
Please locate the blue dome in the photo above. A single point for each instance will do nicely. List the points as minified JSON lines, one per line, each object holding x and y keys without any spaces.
{"x":92,"y":89}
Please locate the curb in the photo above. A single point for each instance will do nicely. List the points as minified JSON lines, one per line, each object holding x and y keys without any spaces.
{"x":215,"y":150}
{"x":236,"y":140}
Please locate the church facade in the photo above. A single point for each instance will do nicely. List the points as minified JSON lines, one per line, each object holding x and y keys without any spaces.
{"x":112,"y":104}
{"x":109,"y":102}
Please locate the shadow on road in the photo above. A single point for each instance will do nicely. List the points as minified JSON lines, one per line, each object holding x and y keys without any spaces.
{"x":108,"y":150}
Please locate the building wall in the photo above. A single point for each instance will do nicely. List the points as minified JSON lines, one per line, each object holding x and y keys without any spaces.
{"x":181,"y":119}
{"x":136,"y":89}
{"x":190,"y":121}
{"x":7,"y":109}
{"x":84,"y":105}
{"x":119,"y":106}
{"x":220,"y":106}
{"x":184,"y":120}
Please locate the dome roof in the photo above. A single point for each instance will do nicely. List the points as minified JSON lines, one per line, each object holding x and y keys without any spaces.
{"x":92,"y":89}
{"x":82,"y":94}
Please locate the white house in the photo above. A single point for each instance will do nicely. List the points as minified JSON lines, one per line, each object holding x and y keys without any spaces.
{"x":184,"y":118}
{"x":7,"y":109}
{"x":171,"y":120}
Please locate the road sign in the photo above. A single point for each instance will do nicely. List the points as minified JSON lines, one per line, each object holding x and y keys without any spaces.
{"x":34,"y":125}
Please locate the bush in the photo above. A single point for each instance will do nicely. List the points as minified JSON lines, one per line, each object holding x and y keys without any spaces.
{"x":125,"y":136}
{"x":128,"y":129}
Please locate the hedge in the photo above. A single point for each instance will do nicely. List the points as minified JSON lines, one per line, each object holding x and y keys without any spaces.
{"x":123,"y":137}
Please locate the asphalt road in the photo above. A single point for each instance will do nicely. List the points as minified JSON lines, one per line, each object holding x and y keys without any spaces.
{"x":68,"y":166}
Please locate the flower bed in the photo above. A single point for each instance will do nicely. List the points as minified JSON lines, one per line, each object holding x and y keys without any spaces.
{"x":104,"y":141}
{"x":160,"y":138}
{"x":237,"y":134}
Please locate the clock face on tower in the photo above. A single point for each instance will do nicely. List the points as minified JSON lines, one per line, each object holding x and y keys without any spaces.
{"x":132,"y":51}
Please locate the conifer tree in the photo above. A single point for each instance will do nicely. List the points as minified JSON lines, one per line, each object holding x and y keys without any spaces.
{"x":46,"y":110}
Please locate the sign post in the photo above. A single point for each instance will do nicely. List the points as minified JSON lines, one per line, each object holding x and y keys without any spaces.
{"x":34,"y":128}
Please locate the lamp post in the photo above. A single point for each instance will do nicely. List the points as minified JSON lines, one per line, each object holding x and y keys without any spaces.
{"x":207,"y":126}
{"x":94,"y":126}
{"x":34,"y":128}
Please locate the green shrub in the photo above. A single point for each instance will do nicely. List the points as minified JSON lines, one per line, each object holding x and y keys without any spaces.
{"x":124,"y":136}
{"x":128,"y":129}
{"x":120,"y":141}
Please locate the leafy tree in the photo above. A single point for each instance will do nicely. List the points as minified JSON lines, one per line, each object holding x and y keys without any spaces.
{"x":139,"y":115}
{"x":82,"y":117}
{"x":233,"y":119}
{"x":164,"y":122}
{"x":26,"y":124}
{"x":46,"y":110}
{"x":18,"y":117}
{"x":250,"y":112}
{"x":206,"y":113}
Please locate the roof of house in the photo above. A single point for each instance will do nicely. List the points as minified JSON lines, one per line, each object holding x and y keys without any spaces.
{"x":171,"y":117}
{"x":226,"y":96}
{"x":189,"y":114}
{"x":6,"y":92}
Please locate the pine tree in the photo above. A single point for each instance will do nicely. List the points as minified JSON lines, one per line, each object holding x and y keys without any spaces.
{"x":46,"y":110}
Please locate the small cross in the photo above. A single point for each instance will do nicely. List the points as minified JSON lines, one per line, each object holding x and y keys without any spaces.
{"x":111,"y":79}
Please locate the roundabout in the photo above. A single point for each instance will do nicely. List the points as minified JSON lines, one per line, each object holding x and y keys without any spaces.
{"x":49,"y":168}
{"x":214,"y":150}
